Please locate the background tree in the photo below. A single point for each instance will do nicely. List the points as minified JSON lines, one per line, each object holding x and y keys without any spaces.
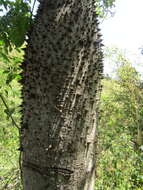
{"x":120,"y":131}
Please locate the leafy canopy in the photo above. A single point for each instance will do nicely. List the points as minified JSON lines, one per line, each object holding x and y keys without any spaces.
{"x":104,"y":7}
{"x":15,"y":19}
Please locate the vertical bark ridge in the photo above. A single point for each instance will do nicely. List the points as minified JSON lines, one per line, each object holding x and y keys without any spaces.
{"x":61,"y":86}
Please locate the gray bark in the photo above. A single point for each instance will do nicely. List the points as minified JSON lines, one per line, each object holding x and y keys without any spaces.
{"x":61,"y":87}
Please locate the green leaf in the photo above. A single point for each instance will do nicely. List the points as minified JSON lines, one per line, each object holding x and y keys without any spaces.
{"x":14,"y":24}
{"x":4,"y":56}
{"x":10,"y":77}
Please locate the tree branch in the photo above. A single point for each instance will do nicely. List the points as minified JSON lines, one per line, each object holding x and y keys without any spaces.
{"x":9,"y":114}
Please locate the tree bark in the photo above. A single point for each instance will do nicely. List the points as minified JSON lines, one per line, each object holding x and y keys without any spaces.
{"x":61,"y":87}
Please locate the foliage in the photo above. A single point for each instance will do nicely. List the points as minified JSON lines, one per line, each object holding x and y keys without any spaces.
{"x":9,"y":135}
{"x":120,"y":131}
{"x":104,"y":7}
{"x":15,"y":21}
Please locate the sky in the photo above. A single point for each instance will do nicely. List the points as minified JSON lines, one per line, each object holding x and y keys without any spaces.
{"x":125,"y":30}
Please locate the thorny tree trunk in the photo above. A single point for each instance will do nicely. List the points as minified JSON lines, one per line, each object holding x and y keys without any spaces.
{"x":61,"y":85}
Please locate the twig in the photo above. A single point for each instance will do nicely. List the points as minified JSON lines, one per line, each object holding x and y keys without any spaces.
{"x":9,"y":114}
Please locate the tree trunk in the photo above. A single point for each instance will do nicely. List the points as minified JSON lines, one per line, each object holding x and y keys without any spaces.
{"x":61,"y":86}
